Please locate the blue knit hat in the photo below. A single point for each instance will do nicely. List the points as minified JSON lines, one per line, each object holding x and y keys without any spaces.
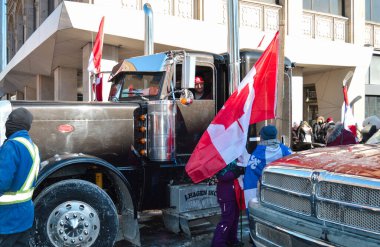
{"x":268,"y":132}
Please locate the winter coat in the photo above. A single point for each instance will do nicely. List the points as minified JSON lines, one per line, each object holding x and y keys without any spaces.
{"x":340,"y":136}
{"x":265,"y":153}
{"x":15,"y":165}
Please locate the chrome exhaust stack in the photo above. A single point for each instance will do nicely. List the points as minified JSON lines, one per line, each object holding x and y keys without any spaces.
{"x":233,"y":45}
{"x":148,"y":36}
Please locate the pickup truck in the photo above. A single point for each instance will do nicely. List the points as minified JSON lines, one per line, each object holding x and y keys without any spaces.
{"x":321,"y":197}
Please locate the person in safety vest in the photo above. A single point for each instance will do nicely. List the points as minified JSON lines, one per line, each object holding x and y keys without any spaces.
{"x":19,"y":166}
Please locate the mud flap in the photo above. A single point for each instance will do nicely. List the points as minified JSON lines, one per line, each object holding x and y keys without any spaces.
{"x":129,"y":228}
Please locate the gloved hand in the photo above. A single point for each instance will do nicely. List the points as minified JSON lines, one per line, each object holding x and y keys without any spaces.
{"x":239,"y":170}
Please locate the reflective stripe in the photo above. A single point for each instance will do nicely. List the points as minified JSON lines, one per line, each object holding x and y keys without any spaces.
{"x":13,"y":198}
{"x":33,"y":150}
{"x":26,"y":191}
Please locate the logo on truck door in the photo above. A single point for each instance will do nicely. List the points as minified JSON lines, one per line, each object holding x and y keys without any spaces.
{"x":65,"y":128}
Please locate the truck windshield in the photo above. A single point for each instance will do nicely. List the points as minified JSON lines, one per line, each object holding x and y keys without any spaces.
{"x":137,"y":84}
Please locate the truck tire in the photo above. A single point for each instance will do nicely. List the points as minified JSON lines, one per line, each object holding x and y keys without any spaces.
{"x":75,"y":213}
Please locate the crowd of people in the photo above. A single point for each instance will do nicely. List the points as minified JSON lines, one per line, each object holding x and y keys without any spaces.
{"x":329,"y":133}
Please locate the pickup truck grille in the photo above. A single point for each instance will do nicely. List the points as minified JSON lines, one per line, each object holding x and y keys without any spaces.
{"x":345,"y":200}
{"x":287,"y":201}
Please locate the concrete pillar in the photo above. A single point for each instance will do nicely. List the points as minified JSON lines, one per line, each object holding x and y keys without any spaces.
{"x":109,"y":59}
{"x":29,"y":18}
{"x":294,"y":17}
{"x":19,"y":95}
{"x":355,"y":11}
{"x":44,"y":87}
{"x":297,"y":95}
{"x":29,"y":93}
{"x":42,"y":11}
{"x":65,"y":84}
{"x":86,"y":80}
{"x":19,"y":29}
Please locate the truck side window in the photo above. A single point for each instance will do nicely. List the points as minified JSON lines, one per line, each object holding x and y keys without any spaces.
{"x":203,"y":83}
{"x":204,"y":79}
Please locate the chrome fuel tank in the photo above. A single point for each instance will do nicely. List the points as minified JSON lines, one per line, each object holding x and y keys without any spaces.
{"x":161,"y":130}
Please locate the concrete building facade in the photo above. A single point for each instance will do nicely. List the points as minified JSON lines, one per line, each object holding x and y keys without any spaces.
{"x":3,"y":44}
{"x":49,"y":43}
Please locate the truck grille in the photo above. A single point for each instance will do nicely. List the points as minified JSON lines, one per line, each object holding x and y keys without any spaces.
{"x":286,"y":182}
{"x":287,"y":201}
{"x":350,"y":194}
{"x":363,"y":219}
{"x":273,"y":236}
{"x":346,"y":200}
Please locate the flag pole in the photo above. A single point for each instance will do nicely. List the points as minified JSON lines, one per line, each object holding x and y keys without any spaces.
{"x":283,"y":125}
{"x":94,"y":65}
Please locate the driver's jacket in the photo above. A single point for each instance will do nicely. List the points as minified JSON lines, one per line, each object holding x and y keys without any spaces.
{"x":19,"y":166}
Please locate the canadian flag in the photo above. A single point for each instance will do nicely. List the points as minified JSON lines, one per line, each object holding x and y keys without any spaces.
{"x":349,"y":122}
{"x":94,"y":62}
{"x":226,"y":137}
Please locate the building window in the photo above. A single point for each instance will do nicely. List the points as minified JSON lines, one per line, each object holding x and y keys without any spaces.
{"x":372,"y":10}
{"x":334,"y":7}
{"x":373,"y":75}
{"x":372,"y":104}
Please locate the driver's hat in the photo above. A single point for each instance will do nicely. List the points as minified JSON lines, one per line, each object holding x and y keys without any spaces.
{"x":198,"y":79}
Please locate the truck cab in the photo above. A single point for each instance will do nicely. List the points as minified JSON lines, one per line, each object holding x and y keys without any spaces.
{"x":103,"y":162}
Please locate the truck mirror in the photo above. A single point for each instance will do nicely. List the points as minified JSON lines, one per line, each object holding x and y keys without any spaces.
{"x":188,"y":72}
{"x":186,"y":97}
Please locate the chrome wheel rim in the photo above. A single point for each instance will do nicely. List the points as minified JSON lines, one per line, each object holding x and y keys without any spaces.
{"x":73,"y":223}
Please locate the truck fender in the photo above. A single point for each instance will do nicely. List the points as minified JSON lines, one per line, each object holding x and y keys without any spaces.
{"x":60,"y":164}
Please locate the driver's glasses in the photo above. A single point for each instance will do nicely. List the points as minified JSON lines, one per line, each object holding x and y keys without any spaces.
{"x":199,"y":85}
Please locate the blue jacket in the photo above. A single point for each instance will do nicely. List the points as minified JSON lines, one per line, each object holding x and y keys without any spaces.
{"x":15,"y":165}
{"x":261,"y":156}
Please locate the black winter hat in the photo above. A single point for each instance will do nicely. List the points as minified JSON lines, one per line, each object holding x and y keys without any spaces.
{"x":19,"y":119}
{"x":268,"y":132}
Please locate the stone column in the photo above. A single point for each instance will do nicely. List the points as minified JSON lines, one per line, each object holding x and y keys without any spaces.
{"x":294,"y":17}
{"x":42,"y":11}
{"x":44,"y":87}
{"x":19,"y":95}
{"x":297,"y":95}
{"x":109,"y":59}
{"x":86,"y":80}
{"x":29,"y":18}
{"x":355,"y":11}
{"x":29,"y":93}
{"x":65,"y":84}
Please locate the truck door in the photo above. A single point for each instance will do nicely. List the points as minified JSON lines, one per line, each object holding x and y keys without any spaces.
{"x":193,"y":119}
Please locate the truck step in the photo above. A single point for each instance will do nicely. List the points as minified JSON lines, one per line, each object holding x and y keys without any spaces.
{"x":196,"y":223}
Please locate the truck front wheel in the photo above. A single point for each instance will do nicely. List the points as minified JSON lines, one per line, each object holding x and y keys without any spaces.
{"x":75,"y":213}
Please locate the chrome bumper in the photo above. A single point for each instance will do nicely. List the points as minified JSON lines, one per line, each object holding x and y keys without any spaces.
{"x":272,"y":228}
